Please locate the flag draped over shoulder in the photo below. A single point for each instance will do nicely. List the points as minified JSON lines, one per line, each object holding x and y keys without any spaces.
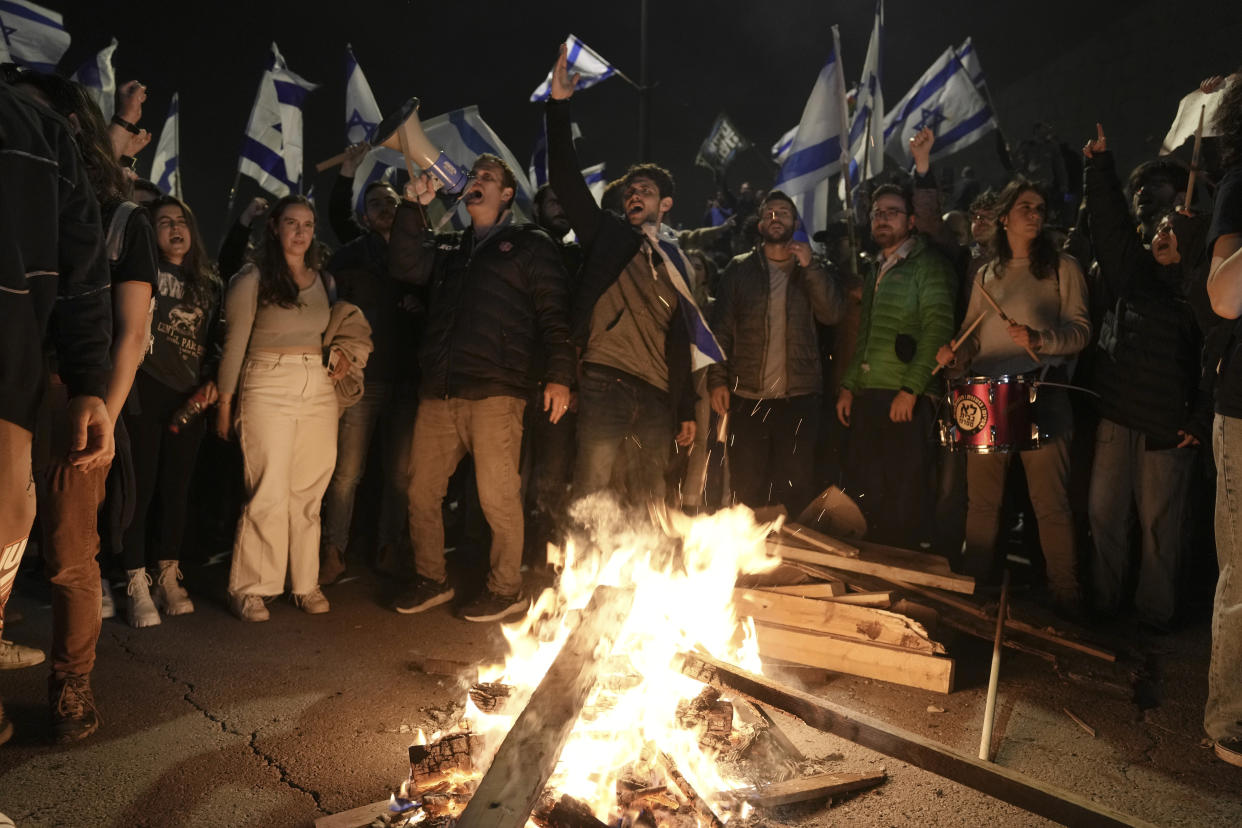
{"x":946,"y":100}
{"x":584,"y":61}
{"x":867,"y":125}
{"x":166,"y":165}
{"x":98,"y":76}
{"x":362,"y":116}
{"x":31,"y":35}
{"x":272,"y":148}
{"x":704,"y":349}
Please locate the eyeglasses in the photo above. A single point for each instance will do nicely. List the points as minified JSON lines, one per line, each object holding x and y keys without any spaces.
{"x":889,"y":213}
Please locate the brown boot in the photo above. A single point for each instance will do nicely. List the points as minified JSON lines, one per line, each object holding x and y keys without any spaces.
{"x":331,"y":564}
{"x":74,"y":716}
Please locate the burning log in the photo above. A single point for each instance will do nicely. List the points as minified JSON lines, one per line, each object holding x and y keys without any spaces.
{"x":529,"y":753}
{"x":434,"y":763}
{"x":565,"y":812}
{"x":808,"y":788}
{"x":687,"y":790}
{"x":759,"y":718}
{"x":707,"y":712}
{"x":490,"y":696}
{"x":1040,"y":798}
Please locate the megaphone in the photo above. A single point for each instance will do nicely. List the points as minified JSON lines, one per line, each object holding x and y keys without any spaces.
{"x":402,"y":131}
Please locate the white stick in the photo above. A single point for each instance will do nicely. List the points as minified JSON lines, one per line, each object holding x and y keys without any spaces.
{"x":989,"y":711}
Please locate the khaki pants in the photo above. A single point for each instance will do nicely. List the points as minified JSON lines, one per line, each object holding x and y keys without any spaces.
{"x":491,"y":431}
{"x":287,"y":428}
{"x":17,"y":504}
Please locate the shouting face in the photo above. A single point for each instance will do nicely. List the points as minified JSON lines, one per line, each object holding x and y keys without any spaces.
{"x":642,"y":202}
{"x":1164,"y":243}
{"x":172,"y":233}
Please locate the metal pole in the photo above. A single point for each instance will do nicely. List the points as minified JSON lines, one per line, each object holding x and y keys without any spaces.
{"x":644,"y":92}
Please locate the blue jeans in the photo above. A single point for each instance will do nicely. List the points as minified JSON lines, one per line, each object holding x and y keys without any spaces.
{"x":1125,"y":472}
{"x":1222,"y":719}
{"x":384,"y":408}
{"x":616,"y":409}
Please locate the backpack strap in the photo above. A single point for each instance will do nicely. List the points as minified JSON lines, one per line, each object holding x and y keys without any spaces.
{"x":114,"y":243}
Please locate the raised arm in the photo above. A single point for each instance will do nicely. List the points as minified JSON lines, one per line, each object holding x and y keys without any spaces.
{"x":564,"y":174}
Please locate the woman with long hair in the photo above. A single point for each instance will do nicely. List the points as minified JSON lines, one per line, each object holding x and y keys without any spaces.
{"x":1044,"y":294}
{"x":175,"y":383}
{"x":275,"y":384}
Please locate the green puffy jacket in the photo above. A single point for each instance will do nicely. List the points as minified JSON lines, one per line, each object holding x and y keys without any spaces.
{"x":903,"y":323}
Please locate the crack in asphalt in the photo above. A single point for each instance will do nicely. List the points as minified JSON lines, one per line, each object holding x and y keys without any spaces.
{"x":251,"y":739}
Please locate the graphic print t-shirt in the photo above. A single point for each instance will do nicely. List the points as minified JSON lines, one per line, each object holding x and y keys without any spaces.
{"x":179,"y":331}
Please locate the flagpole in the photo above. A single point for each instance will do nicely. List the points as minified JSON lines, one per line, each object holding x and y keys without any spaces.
{"x":177,"y":145}
{"x":644,"y":93}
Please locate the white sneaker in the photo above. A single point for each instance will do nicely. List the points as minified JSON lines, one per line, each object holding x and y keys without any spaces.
{"x":140,"y":609}
{"x":169,"y":595}
{"x":249,"y":607}
{"x":107,"y":607}
{"x":16,"y":656}
{"x":313,"y":602}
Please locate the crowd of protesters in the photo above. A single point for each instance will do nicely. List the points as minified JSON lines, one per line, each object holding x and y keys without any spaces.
{"x":516,"y":368}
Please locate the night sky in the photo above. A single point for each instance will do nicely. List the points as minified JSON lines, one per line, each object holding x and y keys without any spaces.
{"x":756,"y":61}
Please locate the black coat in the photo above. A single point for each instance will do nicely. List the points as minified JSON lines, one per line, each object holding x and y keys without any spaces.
{"x":490,"y":306}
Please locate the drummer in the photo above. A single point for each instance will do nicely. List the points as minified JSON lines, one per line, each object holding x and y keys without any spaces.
{"x":1043,"y":293}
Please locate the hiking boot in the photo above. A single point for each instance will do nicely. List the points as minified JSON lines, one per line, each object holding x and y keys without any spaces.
{"x":312,"y":603}
{"x":425,"y":595}
{"x":168,"y":594}
{"x":6,"y":729}
{"x":107,"y":606}
{"x":140,"y":610}
{"x":74,"y":716}
{"x":331,"y":565}
{"x":16,"y":656}
{"x":249,"y":607}
{"x":1230,"y":750}
{"x":492,"y":607}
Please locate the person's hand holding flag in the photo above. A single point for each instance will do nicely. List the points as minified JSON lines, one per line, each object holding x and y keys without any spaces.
{"x":562,"y":88}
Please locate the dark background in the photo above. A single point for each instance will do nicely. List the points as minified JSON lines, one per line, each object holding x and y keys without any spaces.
{"x":1071,"y":63}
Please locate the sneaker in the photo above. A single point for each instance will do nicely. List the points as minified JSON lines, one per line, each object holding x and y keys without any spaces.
{"x":74,"y":716}
{"x":16,"y":656}
{"x":312,"y":603}
{"x":107,"y":606}
{"x":425,"y":595}
{"x":168,"y":594}
{"x":492,"y":607}
{"x":1230,"y":750}
{"x":6,"y":731}
{"x":331,"y":564}
{"x":249,"y":607}
{"x":140,"y":610}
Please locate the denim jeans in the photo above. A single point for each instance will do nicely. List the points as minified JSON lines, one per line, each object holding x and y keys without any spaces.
{"x":1125,"y":472}
{"x":772,"y":451}
{"x":616,"y":409}
{"x":1222,"y":718}
{"x":385,"y":408}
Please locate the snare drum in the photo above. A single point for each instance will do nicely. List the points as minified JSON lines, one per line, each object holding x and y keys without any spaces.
{"x":991,"y":414}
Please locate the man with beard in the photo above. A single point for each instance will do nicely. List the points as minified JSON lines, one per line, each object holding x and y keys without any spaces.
{"x":390,"y":390}
{"x":497,"y":297}
{"x":764,"y":319}
{"x":907,"y":312}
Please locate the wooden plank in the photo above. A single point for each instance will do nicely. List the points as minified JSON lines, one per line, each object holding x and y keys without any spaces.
{"x":527,"y":756}
{"x":926,"y":672}
{"x":819,"y":541}
{"x":1018,"y":789}
{"x":831,"y":589}
{"x":355,"y":817}
{"x":903,"y":565}
{"x":879,"y":600}
{"x":808,"y":788}
{"x":865,"y":624}
{"x":753,"y":714}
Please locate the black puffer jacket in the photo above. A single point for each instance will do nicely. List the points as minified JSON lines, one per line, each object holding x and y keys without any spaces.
{"x":1147,"y":358}
{"x":490,"y":304}
{"x":740,"y":323}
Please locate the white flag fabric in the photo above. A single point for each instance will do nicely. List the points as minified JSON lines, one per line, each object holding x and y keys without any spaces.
{"x":98,"y":76}
{"x":583,"y":60}
{"x":596,"y":181}
{"x":362,"y":116}
{"x":272,"y":149}
{"x":31,"y":35}
{"x":780,"y":150}
{"x":166,"y":165}
{"x":946,"y":100}
{"x":1187,"y":119}
{"x":867,"y":125}
{"x":970,"y":62}
{"x":819,"y":146}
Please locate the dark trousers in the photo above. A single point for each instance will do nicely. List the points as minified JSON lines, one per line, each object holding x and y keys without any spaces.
{"x":163,"y":467}
{"x":772,"y":451}
{"x":615,"y":410}
{"x":888,"y":468}
{"x":547,"y":470}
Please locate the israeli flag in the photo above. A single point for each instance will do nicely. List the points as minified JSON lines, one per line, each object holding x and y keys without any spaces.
{"x":704,"y":349}
{"x":31,"y":35}
{"x":596,"y":181}
{"x":272,"y":149}
{"x":867,"y":126}
{"x":538,"y":171}
{"x":969,"y":58}
{"x":780,"y":150}
{"x":819,"y":146}
{"x":946,"y":100}
{"x":166,"y":165}
{"x":584,"y":61}
{"x":463,"y":136}
{"x":362,"y":116}
{"x":99,"y":78}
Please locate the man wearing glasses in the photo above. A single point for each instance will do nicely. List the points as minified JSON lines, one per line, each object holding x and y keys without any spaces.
{"x":764,"y":319}
{"x":907,"y":311}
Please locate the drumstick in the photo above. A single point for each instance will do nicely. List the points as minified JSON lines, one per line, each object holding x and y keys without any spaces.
{"x":957,"y":343}
{"x":339,"y":158}
{"x":1002,"y":315}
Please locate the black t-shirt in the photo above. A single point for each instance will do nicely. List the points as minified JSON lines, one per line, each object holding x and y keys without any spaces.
{"x":1227,"y":219}
{"x":180,"y":330}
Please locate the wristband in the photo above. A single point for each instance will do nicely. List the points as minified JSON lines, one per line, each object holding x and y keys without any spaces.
{"x":128,"y":161}
{"x":126,"y":125}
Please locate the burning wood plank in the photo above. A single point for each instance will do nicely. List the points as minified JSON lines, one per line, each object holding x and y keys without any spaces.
{"x":708,"y":713}
{"x":490,"y":696}
{"x":844,"y":620}
{"x":434,"y":763}
{"x":995,"y":780}
{"x":831,"y":589}
{"x":529,"y":753}
{"x":687,"y":790}
{"x":565,"y":812}
{"x":808,"y":788}
{"x":886,"y":562}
